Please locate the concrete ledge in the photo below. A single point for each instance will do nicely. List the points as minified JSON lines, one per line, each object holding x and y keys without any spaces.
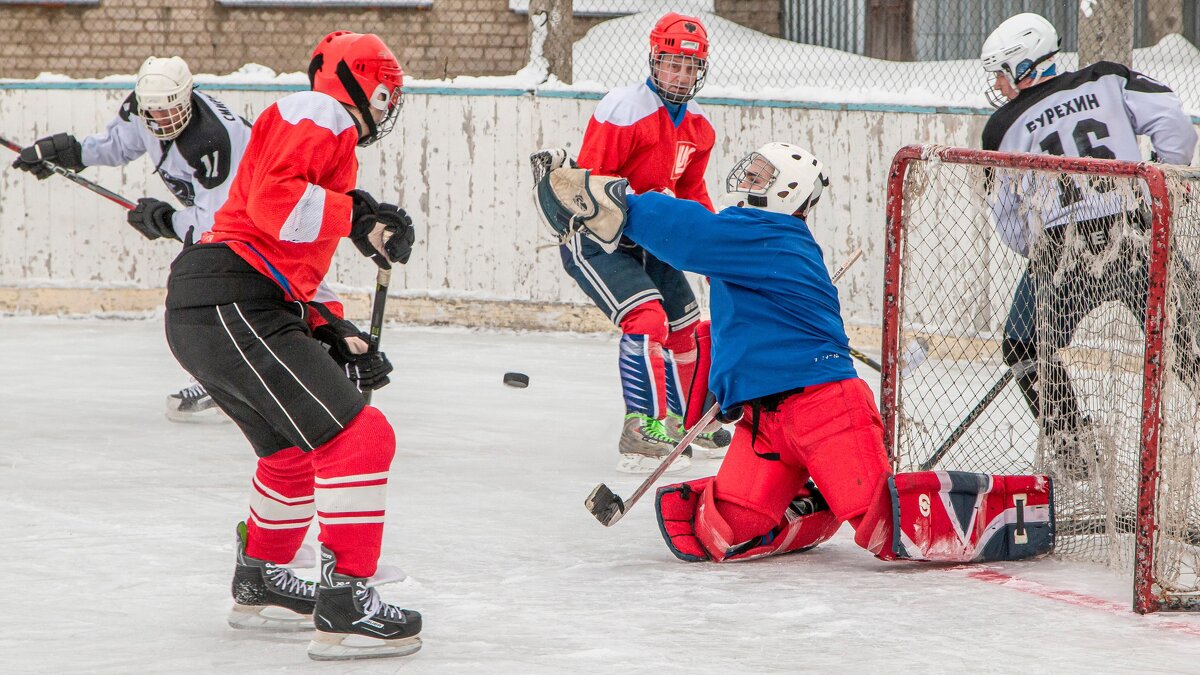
{"x":427,"y":311}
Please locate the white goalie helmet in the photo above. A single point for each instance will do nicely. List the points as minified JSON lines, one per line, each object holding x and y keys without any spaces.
{"x":164,"y":95}
{"x":778,"y":177}
{"x":1021,"y":48}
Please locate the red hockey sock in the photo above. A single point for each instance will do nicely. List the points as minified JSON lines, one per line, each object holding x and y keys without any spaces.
{"x":681,"y":344}
{"x":351,"y":491}
{"x":281,"y":506}
{"x":642,"y":367}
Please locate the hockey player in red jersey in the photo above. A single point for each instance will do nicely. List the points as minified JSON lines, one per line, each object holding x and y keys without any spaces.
{"x":808,"y":452}
{"x":244,"y":317}
{"x":657,"y":137}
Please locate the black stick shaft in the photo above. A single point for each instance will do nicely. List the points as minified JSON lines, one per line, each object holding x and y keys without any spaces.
{"x":382,"y":279}
{"x":967,"y":421}
{"x":75,"y":178}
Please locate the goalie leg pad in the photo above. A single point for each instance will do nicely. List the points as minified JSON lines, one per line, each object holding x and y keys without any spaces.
{"x":697,"y":384}
{"x":676,"y":505}
{"x":800,"y":529}
{"x":955,"y":516}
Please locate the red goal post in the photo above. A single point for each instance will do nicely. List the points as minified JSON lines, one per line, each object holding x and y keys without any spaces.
{"x":948,"y":279}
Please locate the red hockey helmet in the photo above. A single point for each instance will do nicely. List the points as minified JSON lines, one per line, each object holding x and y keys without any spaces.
{"x":678,"y":57}
{"x":358,"y":69}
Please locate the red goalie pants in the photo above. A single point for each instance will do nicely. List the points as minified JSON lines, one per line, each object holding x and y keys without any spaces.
{"x":343,"y":482}
{"x":829,"y":432}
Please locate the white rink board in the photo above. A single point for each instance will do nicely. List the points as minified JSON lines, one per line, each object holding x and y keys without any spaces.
{"x":458,"y":162}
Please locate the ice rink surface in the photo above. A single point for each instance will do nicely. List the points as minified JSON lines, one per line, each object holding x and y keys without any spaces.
{"x":118,"y":531}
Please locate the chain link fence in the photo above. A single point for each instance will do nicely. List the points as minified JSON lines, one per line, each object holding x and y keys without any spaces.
{"x":900,"y":52}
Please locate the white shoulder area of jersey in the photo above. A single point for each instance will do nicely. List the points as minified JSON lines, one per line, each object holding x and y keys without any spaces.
{"x":624,"y":106}
{"x":322,"y":110}
{"x":695,"y":109}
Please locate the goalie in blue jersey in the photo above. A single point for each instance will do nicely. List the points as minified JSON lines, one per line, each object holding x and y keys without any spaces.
{"x":807,"y":452}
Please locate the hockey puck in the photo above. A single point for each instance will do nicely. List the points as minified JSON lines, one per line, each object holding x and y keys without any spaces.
{"x":518,"y":380}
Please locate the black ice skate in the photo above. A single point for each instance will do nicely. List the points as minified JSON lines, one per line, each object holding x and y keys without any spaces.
{"x":267,"y":596}
{"x":354,"y":623}
{"x":194,"y":404}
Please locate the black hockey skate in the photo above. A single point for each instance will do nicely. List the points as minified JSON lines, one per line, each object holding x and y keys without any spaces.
{"x":354,"y":623}
{"x":193,"y":404}
{"x":267,"y":596}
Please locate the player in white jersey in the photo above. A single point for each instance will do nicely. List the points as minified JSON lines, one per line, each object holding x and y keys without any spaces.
{"x":195,"y":143}
{"x":1097,"y":111}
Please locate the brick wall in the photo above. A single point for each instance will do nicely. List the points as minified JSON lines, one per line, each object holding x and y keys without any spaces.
{"x":454,"y":37}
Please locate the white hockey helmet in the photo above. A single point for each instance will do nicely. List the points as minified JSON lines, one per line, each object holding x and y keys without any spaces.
{"x":1021,"y":48}
{"x":777,"y":177}
{"x":164,"y":95}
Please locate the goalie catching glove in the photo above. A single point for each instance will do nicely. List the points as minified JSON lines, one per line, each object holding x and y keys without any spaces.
{"x":61,"y":149}
{"x":571,"y":200}
{"x":382,"y":232}
{"x":368,"y":370}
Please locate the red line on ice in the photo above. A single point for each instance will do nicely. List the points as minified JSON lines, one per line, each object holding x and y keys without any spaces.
{"x":1077,"y":599}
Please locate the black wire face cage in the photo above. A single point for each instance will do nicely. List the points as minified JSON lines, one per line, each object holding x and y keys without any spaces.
{"x":994,"y":97}
{"x":662,"y":59}
{"x":758,"y":172}
{"x":386,"y":124}
{"x":375,"y":130}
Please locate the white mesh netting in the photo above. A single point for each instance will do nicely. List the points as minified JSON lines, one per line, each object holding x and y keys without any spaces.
{"x":1060,"y":333}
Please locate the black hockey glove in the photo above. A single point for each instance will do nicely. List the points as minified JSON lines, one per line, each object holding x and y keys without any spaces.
{"x":62,"y":149}
{"x":393,"y":244}
{"x":367,"y":371}
{"x":152,"y":217}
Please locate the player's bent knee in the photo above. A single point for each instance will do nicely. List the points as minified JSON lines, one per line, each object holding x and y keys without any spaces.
{"x":649,"y":319}
{"x":956,"y":516}
{"x":369,"y":438}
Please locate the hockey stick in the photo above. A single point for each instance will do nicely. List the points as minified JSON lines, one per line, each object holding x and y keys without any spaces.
{"x":608,"y":507}
{"x":967,"y":421}
{"x":75,"y":178}
{"x":913,"y":356}
{"x":382,"y":278}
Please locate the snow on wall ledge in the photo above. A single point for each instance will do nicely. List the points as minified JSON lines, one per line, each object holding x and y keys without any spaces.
{"x":458,"y":162}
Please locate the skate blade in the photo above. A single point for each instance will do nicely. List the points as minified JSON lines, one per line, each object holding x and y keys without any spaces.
{"x":213,"y":415}
{"x":641,"y":464}
{"x":347,"y":647}
{"x":268,"y":617}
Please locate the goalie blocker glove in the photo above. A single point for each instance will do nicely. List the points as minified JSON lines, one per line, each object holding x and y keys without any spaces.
{"x":153,"y":218}
{"x":572,"y":200}
{"x":367,"y":371}
{"x":61,"y":149}
{"x":392,"y":244}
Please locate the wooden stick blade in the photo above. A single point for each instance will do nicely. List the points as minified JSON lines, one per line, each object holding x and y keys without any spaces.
{"x":605,"y":505}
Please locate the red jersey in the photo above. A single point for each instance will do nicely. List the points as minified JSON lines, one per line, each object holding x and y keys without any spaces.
{"x":632,"y":135}
{"x":288,"y":207}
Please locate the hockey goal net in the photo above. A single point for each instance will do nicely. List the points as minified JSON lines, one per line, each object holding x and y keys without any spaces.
{"x":1101,"y":345}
